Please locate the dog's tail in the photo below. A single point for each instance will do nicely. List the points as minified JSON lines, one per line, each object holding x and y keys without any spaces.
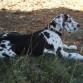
{"x":75,"y":56}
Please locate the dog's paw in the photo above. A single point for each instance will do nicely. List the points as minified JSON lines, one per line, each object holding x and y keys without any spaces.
{"x":73,"y":47}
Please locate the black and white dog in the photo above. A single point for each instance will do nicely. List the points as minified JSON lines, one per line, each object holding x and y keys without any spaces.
{"x":44,"y":41}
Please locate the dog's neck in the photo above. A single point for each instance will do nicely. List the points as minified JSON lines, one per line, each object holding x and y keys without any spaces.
{"x":56,"y":29}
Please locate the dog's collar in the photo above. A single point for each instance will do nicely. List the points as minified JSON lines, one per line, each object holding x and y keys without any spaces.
{"x":54,"y":31}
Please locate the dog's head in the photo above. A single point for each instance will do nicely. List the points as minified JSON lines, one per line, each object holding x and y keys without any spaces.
{"x":64,"y":21}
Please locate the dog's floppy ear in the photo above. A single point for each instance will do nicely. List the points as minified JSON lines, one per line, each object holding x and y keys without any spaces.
{"x":65,"y":17}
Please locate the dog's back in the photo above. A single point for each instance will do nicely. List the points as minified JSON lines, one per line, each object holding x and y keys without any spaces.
{"x":24,"y":43}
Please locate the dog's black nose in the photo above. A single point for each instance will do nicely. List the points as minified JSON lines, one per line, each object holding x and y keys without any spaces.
{"x":78,"y":25}
{"x":74,"y":28}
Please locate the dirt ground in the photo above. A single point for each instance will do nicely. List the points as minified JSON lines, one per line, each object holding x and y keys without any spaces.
{"x":28,"y":16}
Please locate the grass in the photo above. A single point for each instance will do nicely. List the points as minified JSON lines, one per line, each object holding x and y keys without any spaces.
{"x":43,"y":69}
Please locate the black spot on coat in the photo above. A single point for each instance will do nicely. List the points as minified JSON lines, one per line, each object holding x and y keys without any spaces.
{"x":4,"y":54}
{"x":1,"y":49}
{"x":52,"y":29}
{"x":58,"y":52}
{"x":49,"y":46}
{"x":58,"y":33}
{"x":3,"y":45}
{"x":47,"y":34}
{"x":65,"y":17}
{"x":58,"y":16}
{"x":3,"y":41}
{"x":53,"y":24}
{"x":69,"y":55}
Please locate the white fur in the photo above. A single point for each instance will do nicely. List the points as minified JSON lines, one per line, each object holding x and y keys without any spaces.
{"x":7,"y":49}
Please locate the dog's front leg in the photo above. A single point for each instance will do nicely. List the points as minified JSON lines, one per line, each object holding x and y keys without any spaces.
{"x":49,"y":51}
{"x":69,"y":46}
{"x":75,"y":56}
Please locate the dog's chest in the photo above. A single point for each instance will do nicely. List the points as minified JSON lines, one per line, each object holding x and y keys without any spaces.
{"x":52,"y":38}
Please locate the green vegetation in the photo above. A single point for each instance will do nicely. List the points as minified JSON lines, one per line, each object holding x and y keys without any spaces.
{"x":43,"y":69}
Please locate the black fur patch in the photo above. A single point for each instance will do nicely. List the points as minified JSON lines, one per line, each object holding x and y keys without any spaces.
{"x":5,"y":55}
{"x":1,"y":49}
{"x":58,"y":52}
{"x":47,"y":34}
{"x":53,"y":24}
{"x":52,"y":29}
{"x":46,"y":27}
{"x":3,"y":41}
{"x":65,"y":17}
{"x":58,"y":33}
{"x":69,"y":55}
{"x":3,"y":45}
{"x":58,"y":16}
{"x":49,"y":46}
{"x":63,"y":24}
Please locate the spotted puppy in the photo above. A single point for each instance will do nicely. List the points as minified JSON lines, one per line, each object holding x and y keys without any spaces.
{"x":47,"y":40}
